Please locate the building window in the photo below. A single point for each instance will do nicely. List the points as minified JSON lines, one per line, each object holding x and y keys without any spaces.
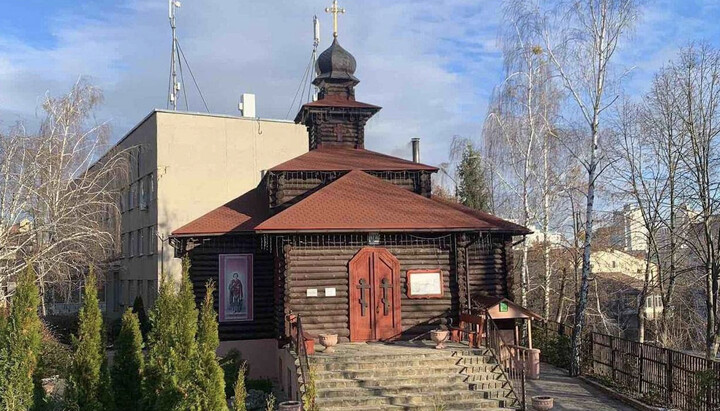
{"x":648,"y":302}
{"x":143,"y":202}
{"x":151,"y":293}
{"x":133,"y":244}
{"x":123,"y":292}
{"x":141,"y":241}
{"x":658,"y":301}
{"x":123,"y":245}
{"x":152,"y":240}
{"x":132,"y":196}
{"x":151,"y":186}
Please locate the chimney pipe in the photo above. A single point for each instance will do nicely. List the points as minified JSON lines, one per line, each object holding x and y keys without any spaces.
{"x":415,"y":149}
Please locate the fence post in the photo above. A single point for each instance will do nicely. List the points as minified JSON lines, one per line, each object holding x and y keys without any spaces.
{"x":612,"y":356}
{"x":640,"y":369}
{"x":669,"y":378}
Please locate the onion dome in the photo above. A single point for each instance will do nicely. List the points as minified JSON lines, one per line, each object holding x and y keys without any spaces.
{"x":336,"y":63}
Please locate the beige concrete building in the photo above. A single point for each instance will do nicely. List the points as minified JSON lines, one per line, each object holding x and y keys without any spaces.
{"x":182,"y":166}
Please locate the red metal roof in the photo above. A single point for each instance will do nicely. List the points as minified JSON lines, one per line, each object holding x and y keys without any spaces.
{"x":497,"y":221}
{"x":346,"y":159}
{"x":239,"y":215}
{"x":360,"y":202}
{"x":337,"y":101}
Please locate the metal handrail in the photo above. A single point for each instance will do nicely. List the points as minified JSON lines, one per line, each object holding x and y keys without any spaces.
{"x":301,"y":353}
{"x":511,"y":359}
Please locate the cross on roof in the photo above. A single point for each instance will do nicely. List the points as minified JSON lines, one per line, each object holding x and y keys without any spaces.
{"x":335,"y":10}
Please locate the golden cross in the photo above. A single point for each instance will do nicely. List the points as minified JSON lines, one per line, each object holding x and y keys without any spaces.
{"x":335,"y":10}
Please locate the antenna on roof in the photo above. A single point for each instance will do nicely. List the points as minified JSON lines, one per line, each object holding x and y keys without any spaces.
{"x":174,"y":84}
{"x":316,"y":43}
{"x":177,"y":58}
{"x":307,"y":76}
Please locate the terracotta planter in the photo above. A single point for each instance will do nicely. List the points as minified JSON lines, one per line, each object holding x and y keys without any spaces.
{"x":439,"y":337}
{"x":290,"y":406}
{"x":329,"y":341}
{"x":542,"y":403}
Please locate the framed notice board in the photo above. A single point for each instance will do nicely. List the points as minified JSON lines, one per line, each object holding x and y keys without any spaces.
{"x":425,"y":283}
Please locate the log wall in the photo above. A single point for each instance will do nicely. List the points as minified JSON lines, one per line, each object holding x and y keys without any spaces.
{"x":204,"y":260}
{"x":328,"y":267}
{"x":285,"y":275}
{"x":287,"y":188}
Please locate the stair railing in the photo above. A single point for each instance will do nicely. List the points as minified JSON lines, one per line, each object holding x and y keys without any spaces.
{"x":511,"y":359}
{"x":298,"y":338}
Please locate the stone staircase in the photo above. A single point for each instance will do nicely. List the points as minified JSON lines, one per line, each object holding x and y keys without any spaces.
{"x":410,"y":376}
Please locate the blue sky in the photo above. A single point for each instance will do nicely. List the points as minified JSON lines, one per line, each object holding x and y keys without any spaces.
{"x":431,"y":64}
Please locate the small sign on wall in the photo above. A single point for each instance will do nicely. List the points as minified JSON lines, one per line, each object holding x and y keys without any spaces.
{"x":330,"y":292}
{"x":425,"y":283}
{"x":311,"y":292}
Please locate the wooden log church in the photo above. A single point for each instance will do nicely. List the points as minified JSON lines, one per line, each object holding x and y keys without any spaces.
{"x":352,"y":240}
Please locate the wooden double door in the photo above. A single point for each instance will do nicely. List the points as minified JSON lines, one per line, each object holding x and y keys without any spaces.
{"x":374,"y":294}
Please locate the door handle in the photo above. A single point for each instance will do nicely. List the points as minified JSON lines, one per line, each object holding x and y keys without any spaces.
{"x":377,"y":309}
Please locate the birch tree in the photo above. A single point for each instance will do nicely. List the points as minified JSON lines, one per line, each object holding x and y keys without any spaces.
{"x":696,"y":75}
{"x":519,"y":130}
{"x":582,"y":53}
{"x":639,"y":177}
{"x":60,"y":191}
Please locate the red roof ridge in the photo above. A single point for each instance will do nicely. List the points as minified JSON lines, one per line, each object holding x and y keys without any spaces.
{"x":330,"y":158}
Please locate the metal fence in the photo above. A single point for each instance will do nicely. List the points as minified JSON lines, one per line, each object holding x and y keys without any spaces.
{"x":654,"y":375}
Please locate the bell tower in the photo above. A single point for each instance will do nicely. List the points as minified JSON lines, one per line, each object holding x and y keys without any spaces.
{"x":336,"y":119}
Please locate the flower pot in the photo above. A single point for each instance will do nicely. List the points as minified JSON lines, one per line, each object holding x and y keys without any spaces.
{"x":290,"y":406}
{"x":329,"y":341}
{"x":542,"y":402}
{"x":439,"y":337}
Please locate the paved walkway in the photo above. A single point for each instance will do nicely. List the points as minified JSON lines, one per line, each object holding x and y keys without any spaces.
{"x":570,"y":393}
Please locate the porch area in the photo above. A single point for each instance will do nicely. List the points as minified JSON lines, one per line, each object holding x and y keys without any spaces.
{"x":413,"y":375}
{"x":409,"y":375}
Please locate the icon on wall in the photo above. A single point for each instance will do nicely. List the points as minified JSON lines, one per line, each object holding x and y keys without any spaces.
{"x":235,"y":287}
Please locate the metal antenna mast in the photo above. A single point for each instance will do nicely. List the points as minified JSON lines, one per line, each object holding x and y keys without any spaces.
{"x":316,"y":43}
{"x":174,"y":84}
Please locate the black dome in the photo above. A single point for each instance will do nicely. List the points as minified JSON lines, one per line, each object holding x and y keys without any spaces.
{"x":336,"y":63}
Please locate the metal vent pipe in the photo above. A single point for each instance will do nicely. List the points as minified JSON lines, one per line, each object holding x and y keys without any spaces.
{"x":415,"y":149}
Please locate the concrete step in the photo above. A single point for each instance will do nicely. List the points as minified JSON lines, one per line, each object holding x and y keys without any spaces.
{"x":388,"y":372}
{"x":388,"y":381}
{"x":449,"y":399}
{"x":406,"y":362}
{"x":460,"y":405}
{"x":331,"y":358}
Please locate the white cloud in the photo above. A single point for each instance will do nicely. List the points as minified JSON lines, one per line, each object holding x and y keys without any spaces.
{"x":430,"y":64}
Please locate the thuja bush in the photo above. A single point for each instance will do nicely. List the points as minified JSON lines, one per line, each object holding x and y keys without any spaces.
{"x":231,"y":364}
{"x":89,"y":385}
{"x":126,"y":371}
{"x":139,"y":310}
{"x":240,"y":391}
{"x":169,"y":372}
{"x":20,"y":337}
{"x":209,"y":376}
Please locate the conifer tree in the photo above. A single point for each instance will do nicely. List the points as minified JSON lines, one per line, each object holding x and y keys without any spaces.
{"x":89,"y":379}
{"x":240,"y":390}
{"x":127,"y":366}
{"x":473,"y":188}
{"x":139,"y":310}
{"x":209,"y":375}
{"x":169,"y":378}
{"x":20,"y":335}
